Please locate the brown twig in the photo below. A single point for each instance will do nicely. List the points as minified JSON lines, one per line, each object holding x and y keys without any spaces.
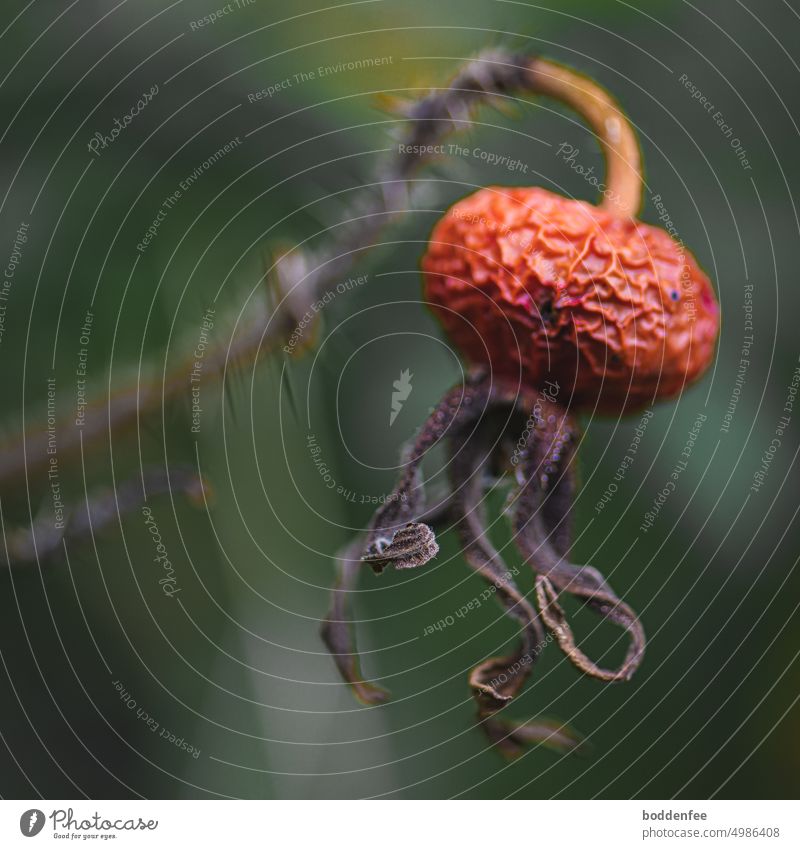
{"x":298,"y":277}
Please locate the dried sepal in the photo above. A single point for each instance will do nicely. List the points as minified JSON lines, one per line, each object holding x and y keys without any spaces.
{"x":513,"y":738}
{"x":475,"y":421}
{"x":337,"y":628}
{"x":547,"y":472}
{"x":395,"y":537}
{"x":608,"y":606}
{"x":411,"y":546}
{"x":498,"y":679}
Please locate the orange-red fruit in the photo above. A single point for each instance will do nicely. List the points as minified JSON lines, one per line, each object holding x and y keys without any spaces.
{"x":541,"y":288}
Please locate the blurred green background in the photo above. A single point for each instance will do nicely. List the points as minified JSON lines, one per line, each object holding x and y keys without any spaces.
{"x":237,"y":669}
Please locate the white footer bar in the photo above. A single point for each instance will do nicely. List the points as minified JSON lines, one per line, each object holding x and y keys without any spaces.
{"x":400,"y":824}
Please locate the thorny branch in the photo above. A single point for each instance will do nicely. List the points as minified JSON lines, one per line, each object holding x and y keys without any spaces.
{"x":297,"y":278}
{"x":43,"y":539}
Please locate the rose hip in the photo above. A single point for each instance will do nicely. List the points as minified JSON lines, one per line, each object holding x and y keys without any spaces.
{"x":538,"y":287}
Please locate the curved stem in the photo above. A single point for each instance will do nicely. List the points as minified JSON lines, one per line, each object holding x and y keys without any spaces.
{"x":614,"y":132}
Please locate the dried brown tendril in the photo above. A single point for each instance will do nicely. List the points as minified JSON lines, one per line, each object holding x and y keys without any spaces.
{"x":474,"y":421}
{"x":541,"y":520}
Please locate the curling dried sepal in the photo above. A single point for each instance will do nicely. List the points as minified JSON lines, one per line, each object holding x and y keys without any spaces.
{"x":338,"y":632}
{"x":512,"y":738}
{"x":607,"y":605}
{"x":396,"y":537}
{"x":411,"y":546}
{"x":497,"y":680}
{"x":540,"y":519}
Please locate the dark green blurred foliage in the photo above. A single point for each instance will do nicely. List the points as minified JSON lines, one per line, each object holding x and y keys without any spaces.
{"x":237,"y":669}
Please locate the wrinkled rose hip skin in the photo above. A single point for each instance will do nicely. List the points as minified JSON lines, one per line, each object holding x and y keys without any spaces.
{"x":539,"y":287}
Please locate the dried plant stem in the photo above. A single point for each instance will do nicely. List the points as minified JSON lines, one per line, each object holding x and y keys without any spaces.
{"x":119,"y":410}
{"x":614,"y":132}
{"x":298,"y":277}
{"x":43,"y":541}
